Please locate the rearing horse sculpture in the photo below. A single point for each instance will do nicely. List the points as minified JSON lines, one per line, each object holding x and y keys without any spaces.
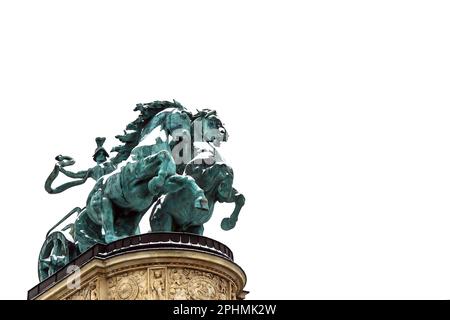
{"x":159,"y":167}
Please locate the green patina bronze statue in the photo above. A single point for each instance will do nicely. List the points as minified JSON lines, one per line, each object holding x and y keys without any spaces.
{"x":168,"y":164}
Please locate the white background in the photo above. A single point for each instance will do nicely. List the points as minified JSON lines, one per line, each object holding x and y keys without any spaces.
{"x":338,"y":114}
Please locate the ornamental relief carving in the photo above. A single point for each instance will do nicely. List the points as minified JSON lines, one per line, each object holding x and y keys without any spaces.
{"x":191,"y":284}
{"x":157,"y":283}
{"x":161,"y":283}
{"x":128,"y":286}
{"x":233,"y":291}
{"x":88,"y":292}
{"x":141,"y":278}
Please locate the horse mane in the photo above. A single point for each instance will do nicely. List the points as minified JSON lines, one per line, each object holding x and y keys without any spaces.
{"x":205,"y":113}
{"x":131,"y":139}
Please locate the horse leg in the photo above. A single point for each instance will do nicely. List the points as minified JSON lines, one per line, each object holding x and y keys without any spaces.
{"x":177,"y":182}
{"x":107,"y":215}
{"x":128,"y":224}
{"x":196,"y":230}
{"x":166,"y":169}
{"x":86,"y":232}
{"x":100,"y":209}
{"x":161,"y":221}
{"x":239,"y":200}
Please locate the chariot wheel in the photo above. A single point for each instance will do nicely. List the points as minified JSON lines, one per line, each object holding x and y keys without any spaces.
{"x":55,"y":253}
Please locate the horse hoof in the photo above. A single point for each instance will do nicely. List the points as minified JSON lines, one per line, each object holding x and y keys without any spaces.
{"x":227,"y":224}
{"x":110,"y":238}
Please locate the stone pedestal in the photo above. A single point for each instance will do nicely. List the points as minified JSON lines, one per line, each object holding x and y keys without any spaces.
{"x":159,"y":266}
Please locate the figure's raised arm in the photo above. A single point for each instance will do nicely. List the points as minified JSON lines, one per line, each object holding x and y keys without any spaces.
{"x":75,"y":175}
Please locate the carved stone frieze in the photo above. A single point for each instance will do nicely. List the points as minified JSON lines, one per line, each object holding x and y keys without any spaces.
{"x":128,"y":286}
{"x":88,"y":292}
{"x":164,"y":275}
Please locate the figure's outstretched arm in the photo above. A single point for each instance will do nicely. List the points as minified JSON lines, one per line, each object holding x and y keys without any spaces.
{"x":75,"y":175}
{"x":63,"y":187}
{"x":239,"y":200}
{"x":64,"y":161}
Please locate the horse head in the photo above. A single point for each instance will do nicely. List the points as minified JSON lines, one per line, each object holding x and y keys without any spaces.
{"x":207,"y":127}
